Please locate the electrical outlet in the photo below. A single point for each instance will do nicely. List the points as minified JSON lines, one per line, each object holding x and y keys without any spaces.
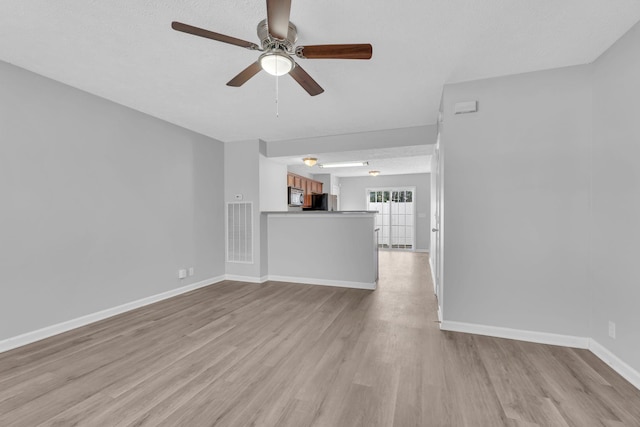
{"x":182,"y":273}
{"x":612,"y":329}
{"x":191,"y":271}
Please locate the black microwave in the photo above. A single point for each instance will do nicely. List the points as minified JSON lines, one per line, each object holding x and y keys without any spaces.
{"x":295,"y":196}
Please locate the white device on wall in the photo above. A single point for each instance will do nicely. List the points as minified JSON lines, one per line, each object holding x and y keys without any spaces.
{"x":465,"y":107}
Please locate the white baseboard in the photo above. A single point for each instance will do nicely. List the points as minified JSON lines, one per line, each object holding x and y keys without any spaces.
{"x":433,"y":275}
{"x":302,"y":280}
{"x":516,"y":334}
{"x":49,"y":331}
{"x":325,"y":282}
{"x":247,"y":279}
{"x":617,"y":364}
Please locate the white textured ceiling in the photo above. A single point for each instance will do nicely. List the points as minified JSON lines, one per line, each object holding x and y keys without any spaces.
{"x":125,"y":51}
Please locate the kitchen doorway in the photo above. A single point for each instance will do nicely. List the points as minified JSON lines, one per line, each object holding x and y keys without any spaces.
{"x":396,"y":216}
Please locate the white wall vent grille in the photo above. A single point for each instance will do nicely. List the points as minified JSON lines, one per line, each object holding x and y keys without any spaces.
{"x":240,"y":232}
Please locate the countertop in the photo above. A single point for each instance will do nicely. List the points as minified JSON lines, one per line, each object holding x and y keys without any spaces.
{"x":318,"y":212}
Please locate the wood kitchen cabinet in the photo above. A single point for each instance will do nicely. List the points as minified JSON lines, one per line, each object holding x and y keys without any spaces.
{"x":309,"y":186}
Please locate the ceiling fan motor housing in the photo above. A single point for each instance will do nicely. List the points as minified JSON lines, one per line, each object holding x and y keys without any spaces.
{"x":269,"y":42}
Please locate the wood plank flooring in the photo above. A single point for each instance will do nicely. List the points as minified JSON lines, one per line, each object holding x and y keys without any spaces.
{"x":281,"y":354}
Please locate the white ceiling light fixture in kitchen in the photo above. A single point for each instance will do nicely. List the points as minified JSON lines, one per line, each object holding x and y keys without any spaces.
{"x":374,"y":173}
{"x":343,"y":165}
{"x":309,"y":161}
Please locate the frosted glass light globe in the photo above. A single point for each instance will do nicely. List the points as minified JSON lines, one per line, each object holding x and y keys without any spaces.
{"x":276,"y":63}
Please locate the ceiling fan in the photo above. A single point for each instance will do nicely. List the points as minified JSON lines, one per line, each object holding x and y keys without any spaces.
{"x":278,"y":36}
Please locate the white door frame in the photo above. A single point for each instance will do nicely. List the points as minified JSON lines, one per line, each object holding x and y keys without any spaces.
{"x":436,"y":257}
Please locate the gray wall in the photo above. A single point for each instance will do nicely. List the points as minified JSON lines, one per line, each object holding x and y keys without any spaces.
{"x":418,"y":135}
{"x":100,"y":204}
{"x":541,"y":203}
{"x":321,"y":247}
{"x":242,"y":176}
{"x":273,"y":185}
{"x":273,"y":197}
{"x":353,"y":197}
{"x":516,"y":181}
{"x":615,"y":224}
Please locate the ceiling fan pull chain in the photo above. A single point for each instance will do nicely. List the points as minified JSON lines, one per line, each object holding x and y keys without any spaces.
{"x":277,"y":92}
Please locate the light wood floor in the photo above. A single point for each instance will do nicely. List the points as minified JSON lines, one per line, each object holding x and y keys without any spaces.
{"x":237,"y":354}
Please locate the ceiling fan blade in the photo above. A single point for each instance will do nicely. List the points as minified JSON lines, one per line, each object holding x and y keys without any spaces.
{"x":305,"y":81}
{"x":245,"y":75}
{"x":185,"y":28}
{"x":335,"y":51}
{"x":278,"y":12}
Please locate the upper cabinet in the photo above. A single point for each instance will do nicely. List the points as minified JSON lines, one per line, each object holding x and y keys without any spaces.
{"x":308,"y":185}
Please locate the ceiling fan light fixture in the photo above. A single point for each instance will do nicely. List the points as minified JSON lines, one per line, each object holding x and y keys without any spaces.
{"x":276,"y":62}
{"x":310,"y":161}
{"x":374,"y":173}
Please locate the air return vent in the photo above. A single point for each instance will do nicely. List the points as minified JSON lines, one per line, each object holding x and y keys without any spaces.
{"x":240,"y":232}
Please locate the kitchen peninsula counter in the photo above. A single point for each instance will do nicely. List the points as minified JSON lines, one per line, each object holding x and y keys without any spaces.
{"x":318,"y":212}
{"x":333,"y":248}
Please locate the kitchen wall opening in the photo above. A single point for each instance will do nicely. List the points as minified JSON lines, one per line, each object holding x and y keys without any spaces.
{"x":395,"y":218}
